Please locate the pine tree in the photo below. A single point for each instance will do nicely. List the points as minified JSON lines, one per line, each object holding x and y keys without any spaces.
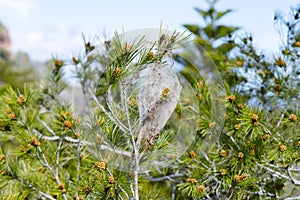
{"x":155,"y":129}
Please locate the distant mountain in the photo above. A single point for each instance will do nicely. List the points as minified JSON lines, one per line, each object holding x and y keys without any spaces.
{"x":22,"y":61}
{"x":5,"y":44}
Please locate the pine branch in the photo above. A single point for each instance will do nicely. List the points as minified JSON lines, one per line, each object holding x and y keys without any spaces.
{"x":135,"y":153}
{"x":274,"y":172}
{"x":45,"y":163}
{"x":57,"y":165}
{"x":77,"y":141}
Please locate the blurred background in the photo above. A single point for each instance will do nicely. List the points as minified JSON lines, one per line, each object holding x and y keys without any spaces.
{"x":47,"y":28}
{"x":33,"y":32}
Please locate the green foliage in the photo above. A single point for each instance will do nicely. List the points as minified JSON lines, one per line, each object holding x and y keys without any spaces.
{"x":53,"y":155}
{"x":216,"y":39}
{"x":259,"y":144}
{"x":50,"y":151}
{"x":17,"y":70}
{"x":14,"y":77}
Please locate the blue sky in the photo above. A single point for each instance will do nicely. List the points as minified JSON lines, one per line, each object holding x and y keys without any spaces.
{"x":44,"y":28}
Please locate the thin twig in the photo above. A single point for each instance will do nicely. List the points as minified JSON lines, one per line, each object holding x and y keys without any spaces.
{"x":293,"y":198}
{"x":78,"y":166}
{"x":279,"y":121}
{"x":44,"y":162}
{"x":274,"y":172}
{"x":293,"y":180}
{"x":173,"y":195}
{"x":233,"y":140}
{"x":14,"y":175}
{"x":110,"y":115}
{"x":134,"y":147}
{"x":57,"y":164}
{"x":58,"y":157}
{"x":47,"y":165}
{"x":124,"y":192}
{"x":36,"y":189}
{"x":45,"y":125}
{"x":163,"y":178}
{"x":72,"y":140}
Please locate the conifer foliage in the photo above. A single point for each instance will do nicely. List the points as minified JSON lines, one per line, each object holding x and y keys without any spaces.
{"x":124,"y":145}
